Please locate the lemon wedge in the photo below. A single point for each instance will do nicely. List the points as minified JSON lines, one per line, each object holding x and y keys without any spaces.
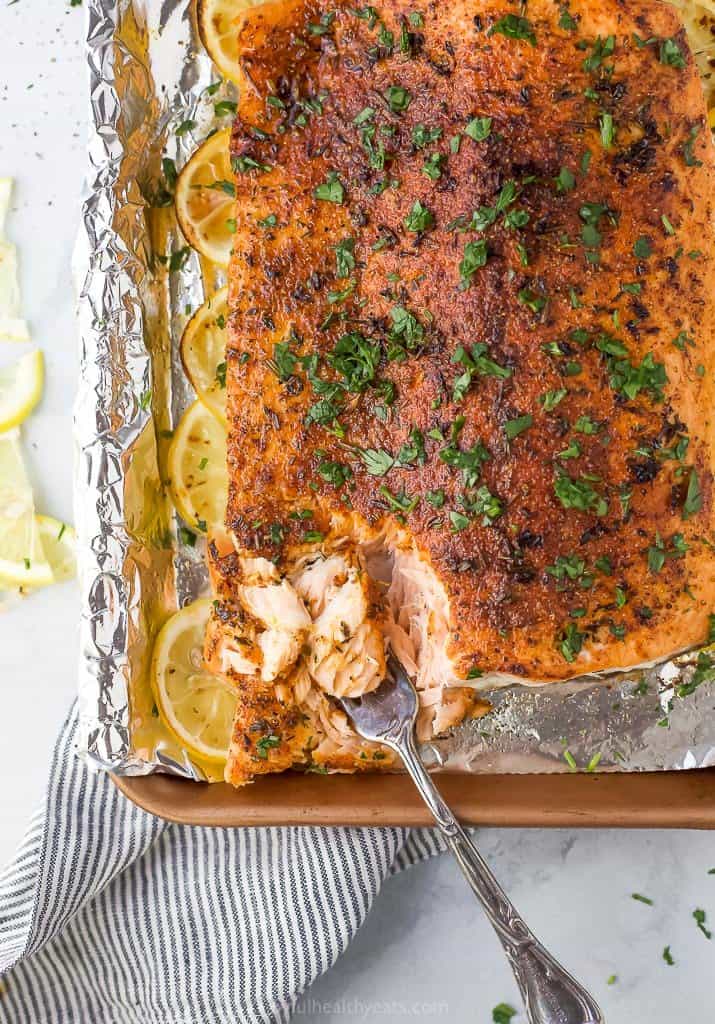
{"x":12,"y":327}
{"x":197,"y":706}
{"x":203,"y":353}
{"x":20,"y":389}
{"x":23,"y":562}
{"x":218,"y":28}
{"x":59,"y":542}
{"x":205,"y":199}
{"x":198,"y":478}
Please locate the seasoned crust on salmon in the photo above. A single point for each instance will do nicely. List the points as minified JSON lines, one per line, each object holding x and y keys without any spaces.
{"x":471,"y":325}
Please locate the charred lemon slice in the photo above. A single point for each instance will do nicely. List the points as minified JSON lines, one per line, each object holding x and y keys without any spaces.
{"x":197,"y":469}
{"x":218,"y":27}
{"x":203,"y":353}
{"x":197,"y":706}
{"x":205,"y":199}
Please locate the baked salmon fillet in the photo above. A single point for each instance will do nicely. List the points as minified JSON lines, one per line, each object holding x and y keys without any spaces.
{"x":470,"y":362}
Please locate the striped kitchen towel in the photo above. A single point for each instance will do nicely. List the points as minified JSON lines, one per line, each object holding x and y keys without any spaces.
{"x":111,"y":916}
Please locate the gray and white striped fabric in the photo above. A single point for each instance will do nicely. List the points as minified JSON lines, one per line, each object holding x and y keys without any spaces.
{"x":111,"y":916}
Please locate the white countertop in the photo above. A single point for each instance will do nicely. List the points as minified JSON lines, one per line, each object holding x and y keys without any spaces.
{"x":426,"y":951}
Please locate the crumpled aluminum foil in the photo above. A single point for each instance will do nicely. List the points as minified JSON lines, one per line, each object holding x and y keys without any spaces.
{"x":148,"y":74}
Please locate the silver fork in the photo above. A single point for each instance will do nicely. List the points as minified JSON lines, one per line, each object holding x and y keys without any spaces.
{"x":551,"y":995}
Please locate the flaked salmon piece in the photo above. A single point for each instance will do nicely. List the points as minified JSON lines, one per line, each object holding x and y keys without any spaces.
{"x":284,"y":643}
{"x":346,"y":647}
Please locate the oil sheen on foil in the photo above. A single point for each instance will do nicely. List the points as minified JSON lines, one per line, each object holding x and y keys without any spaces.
{"x":148,"y":75}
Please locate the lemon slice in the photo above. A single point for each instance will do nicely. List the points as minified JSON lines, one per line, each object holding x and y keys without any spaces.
{"x":197,"y":706}
{"x":205,"y":199}
{"x":59,"y":542}
{"x":20,"y":389}
{"x":218,"y":27}
{"x":22,"y":558}
{"x":203,"y":352}
{"x":197,"y":469}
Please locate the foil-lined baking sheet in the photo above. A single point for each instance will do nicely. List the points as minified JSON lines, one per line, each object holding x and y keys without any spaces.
{"x":148,"y":74}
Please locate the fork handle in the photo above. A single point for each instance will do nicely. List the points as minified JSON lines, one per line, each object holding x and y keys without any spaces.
{"x":551,"y":995}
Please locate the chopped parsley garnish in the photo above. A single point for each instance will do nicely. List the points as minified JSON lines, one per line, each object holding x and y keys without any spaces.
{"x":514,"y":27}
{"x":682,"y":340}
{"x":630,"y":380}
{"x":331,"y":191}
{"x":601,"y":49}
{"x":668,"y":957}
{"x":703,"y":673}
{"x":516,"y":219}
{"x":185,"y":127}
{"x":503,"y":1013}
{"x":225,"y":107}
{"x":432,"y":166}
{"x":699,"y":916}
{"x":689,"y":149}
{"x":268,"y":222}
{"x":423,"y":136}
{"x":356,"y":359}
{"x":179,"y":259}
{"x":585,"y":425}
{"x":658,"y":554}
{"x":579,"y":494}
{"x":512,"y":428}
{"x":187,"y":537}
{"x":435,"y":498}
{"x":345,"y":257}
{"x":536,"y":303}
{"x":642,"y":899}
{"x":476,"y":363}
{"x":566,"y":180}
{"x":406,"y":333}
{"x":484,"y":504}
{"x":693,"y":499}
{"x":414,"y":450}
{"x":479,"y":128}
{"x":550,"y":399}
{"x":398,"y":98}
{"x":570,"y":642}
{"x":265,"y":744}
{"x":322,"y":27}
{"x":607,"y":129}
{"x":458,"y":520}
{"x":284,"y":361}
{"x":642,"y":248}
{"x":475,"y":256}
{"x":567,"y":21}
{"x":335,"y":473}
{"x":569,"y":567}
{"x":244,"y":164}
{"x":377,"y":461}
{"x":419,"y":218}
{"x":399,"y":502}
{"x":671,"y":54}
{"x":469,"y":460}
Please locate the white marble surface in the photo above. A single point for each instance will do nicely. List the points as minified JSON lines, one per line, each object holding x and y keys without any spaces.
{"x":425,"y":951}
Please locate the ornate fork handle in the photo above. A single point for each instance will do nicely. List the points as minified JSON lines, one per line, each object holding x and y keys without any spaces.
{"x":551,"y":995}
